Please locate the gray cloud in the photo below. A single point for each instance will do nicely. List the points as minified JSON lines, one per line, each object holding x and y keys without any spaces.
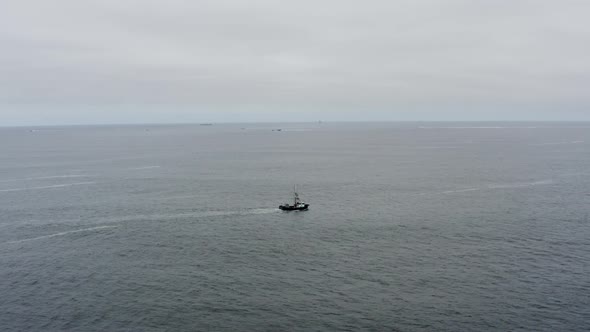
{"x":66,"y":61}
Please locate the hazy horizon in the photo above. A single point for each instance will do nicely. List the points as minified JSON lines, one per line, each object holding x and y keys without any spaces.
{"x":126,"y":62}
{"x":475,"y":124}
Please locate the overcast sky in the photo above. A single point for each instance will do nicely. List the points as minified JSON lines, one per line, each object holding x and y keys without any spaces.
{"x":122,"y":61}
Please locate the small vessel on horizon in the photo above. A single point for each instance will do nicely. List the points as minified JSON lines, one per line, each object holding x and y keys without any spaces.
{"x":297,"y":205}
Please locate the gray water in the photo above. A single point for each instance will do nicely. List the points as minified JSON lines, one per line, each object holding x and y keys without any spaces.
{"x":412,"y":227}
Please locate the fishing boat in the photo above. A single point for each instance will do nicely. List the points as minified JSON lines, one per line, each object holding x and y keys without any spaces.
{"x":297,"y":205}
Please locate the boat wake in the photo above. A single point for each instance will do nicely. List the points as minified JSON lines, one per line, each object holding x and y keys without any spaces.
{"x":47,"y":177}
{"x":557,"y":143}
{"x":202,"y":214}
{"x":48,"y":187}
{"x":479,"y":127}
{"x":520,"y":185}
{"x":172,"y":216}
{"x":112,"y":221}
{"x":143,"y":167}
{"x":263,"y":211}
{"x":435,"y":147}
{"x":573,"y":174}
{"x":61,"y":234}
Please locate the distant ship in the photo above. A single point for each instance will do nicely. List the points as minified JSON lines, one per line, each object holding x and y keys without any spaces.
{"x":297,"y":205}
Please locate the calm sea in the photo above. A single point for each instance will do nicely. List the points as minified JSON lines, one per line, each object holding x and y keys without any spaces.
{"x":412,"y":227}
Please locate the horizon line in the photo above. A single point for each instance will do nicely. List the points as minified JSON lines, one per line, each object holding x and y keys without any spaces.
{"x":282,"y":122}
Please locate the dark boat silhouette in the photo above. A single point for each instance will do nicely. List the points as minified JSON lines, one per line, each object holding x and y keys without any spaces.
{"x":297,"y":205}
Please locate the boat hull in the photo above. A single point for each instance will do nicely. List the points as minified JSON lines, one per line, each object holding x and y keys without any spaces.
{"x":302,"y":207}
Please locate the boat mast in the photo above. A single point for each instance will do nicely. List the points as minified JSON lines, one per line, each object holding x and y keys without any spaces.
{"x":295,"y":195}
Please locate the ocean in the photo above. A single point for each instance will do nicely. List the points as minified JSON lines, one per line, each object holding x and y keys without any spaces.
{"x":412,"y":227}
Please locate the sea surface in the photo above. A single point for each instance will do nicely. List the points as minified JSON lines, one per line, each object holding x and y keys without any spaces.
{"x":412,"y":227}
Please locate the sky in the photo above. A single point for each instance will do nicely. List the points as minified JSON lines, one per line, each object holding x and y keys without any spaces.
{"x":179,"y":61}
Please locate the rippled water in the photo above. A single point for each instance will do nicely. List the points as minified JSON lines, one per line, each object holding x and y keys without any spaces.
{"x":412,"y":227}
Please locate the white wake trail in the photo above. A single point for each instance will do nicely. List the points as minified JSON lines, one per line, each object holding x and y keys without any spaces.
{"x":520,"y":185}
{"x":60,"y":234}
{"x":460,"y":191}
{"x":47,"y":177}
{"x":557,"y":143}
{"x":196,"y":214}
{"x":143,"y":167}
{"x":153,"y":217}
{"x":48,"y":187}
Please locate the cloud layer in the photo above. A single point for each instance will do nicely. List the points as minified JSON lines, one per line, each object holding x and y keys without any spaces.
{"x":66,"y":61}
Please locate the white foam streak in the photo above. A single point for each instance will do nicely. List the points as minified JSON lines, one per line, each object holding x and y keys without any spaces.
{"x":460,"y":190}
{"x":557,"y":143}
{"x":155,"y":217}
{"x":435,"y":147}
{"x":195,"y":214}
{"x":478,"y":127}
{"x":61,"y":234}
{"x":47,"y":178}
{"x":520,"y":185}
{"x":143,"y":167}
{"x":48,"y":187}
{"x":573,"y":174}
